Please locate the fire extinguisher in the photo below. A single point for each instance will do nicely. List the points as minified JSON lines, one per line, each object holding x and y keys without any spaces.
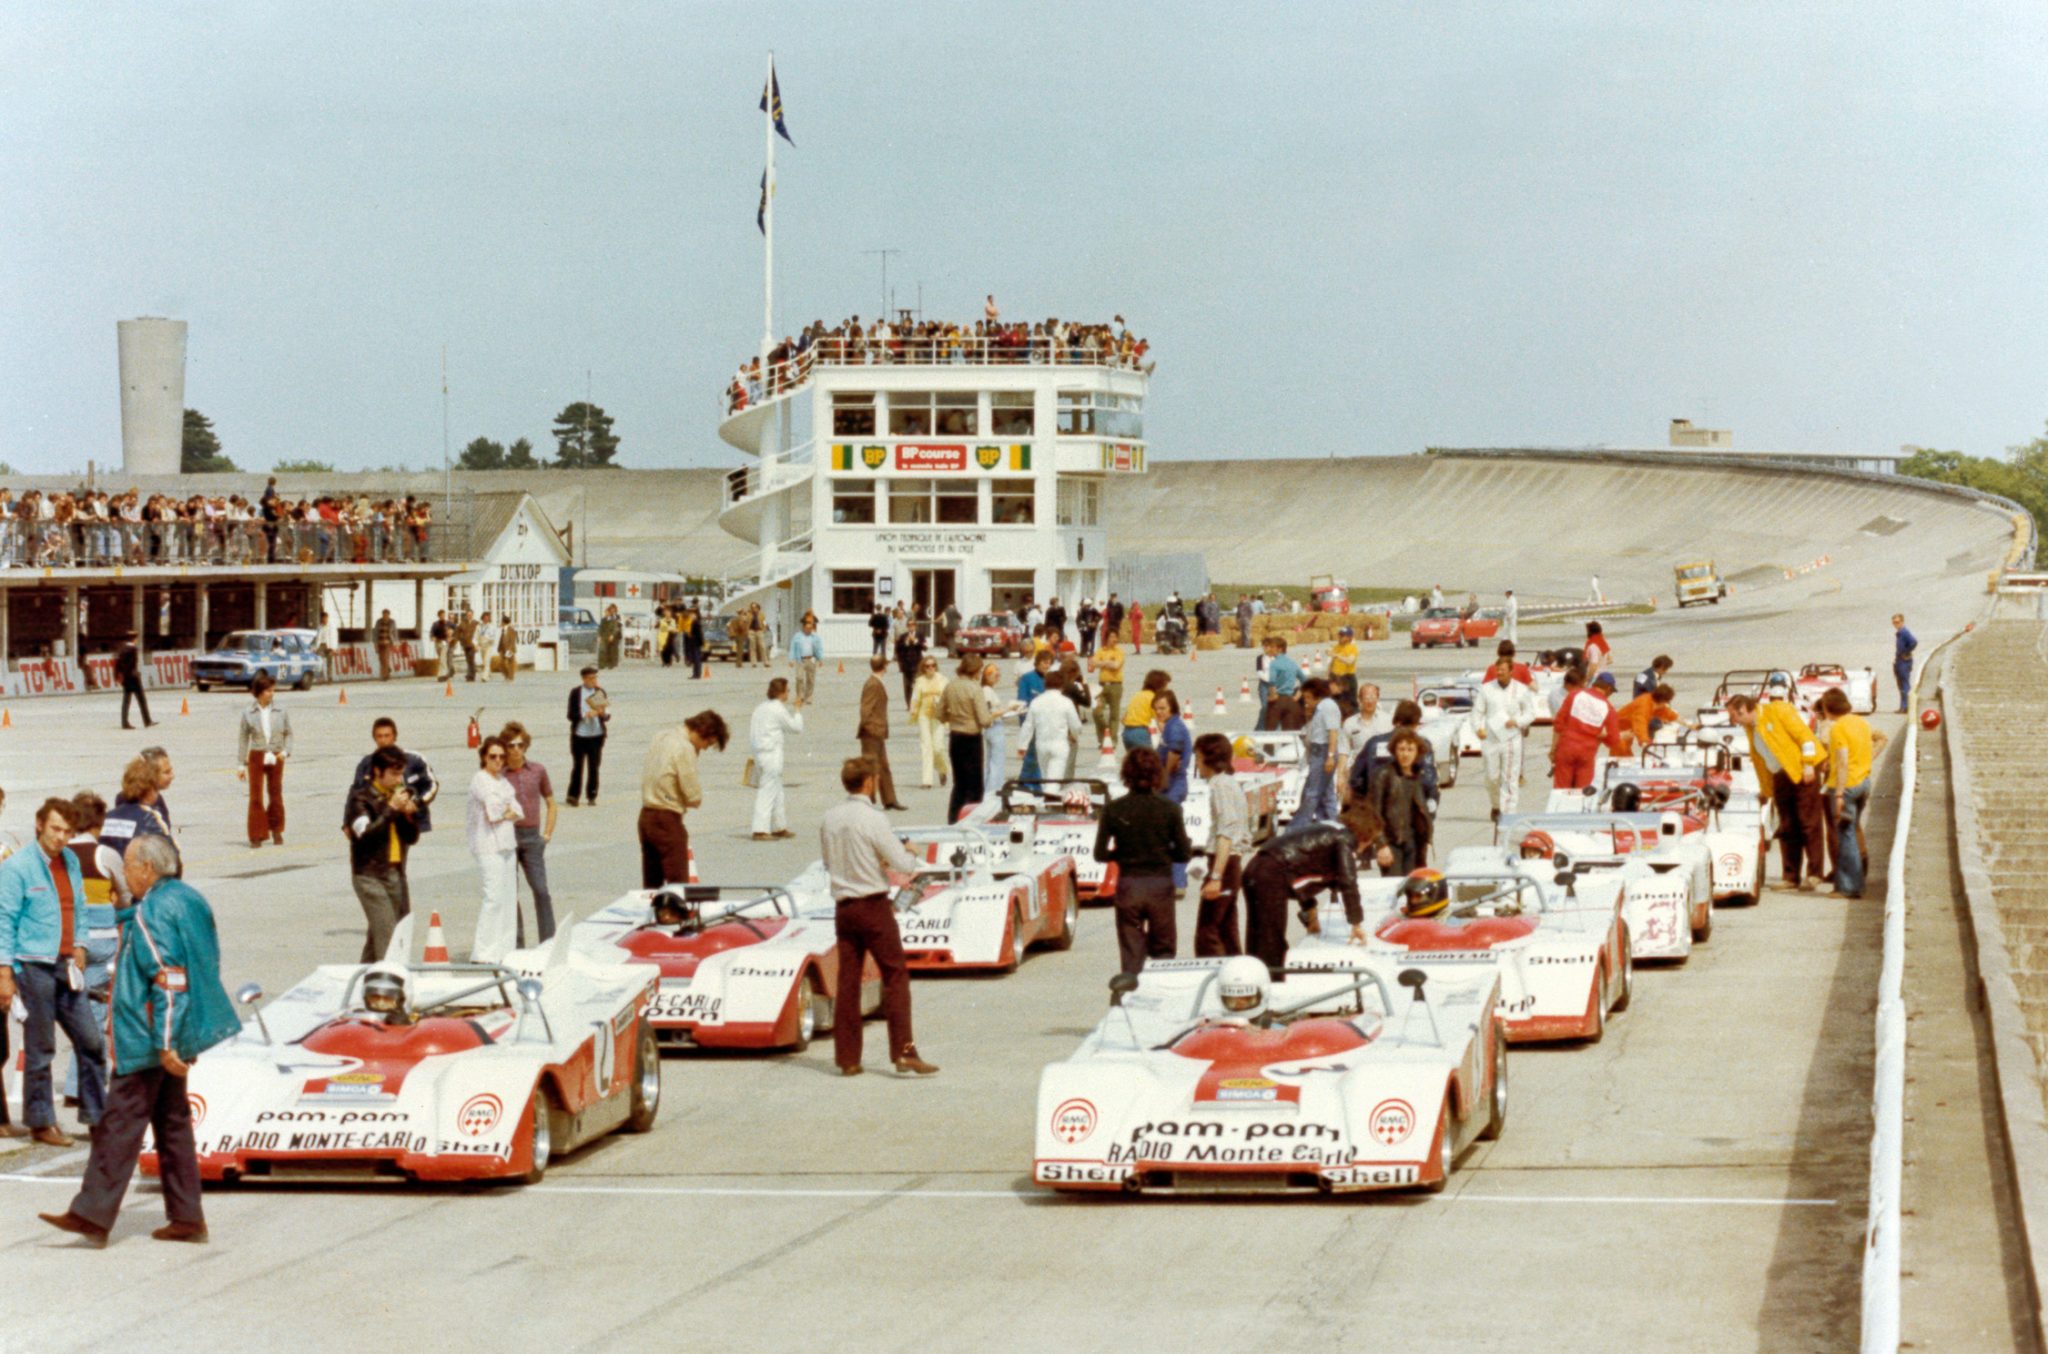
{"x":476,"y":735}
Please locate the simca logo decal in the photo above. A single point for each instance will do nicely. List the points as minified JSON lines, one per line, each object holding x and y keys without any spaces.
{"x":480,"y":1114}
{"x":1073,"y":1121}
{"x":1392,"y":1121}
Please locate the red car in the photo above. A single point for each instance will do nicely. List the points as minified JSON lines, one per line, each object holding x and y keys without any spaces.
{"x":997,"y":633}
{"x":1444,"y":625}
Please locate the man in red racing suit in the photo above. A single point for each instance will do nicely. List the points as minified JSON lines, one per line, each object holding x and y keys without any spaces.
{"x":1585,"y":720}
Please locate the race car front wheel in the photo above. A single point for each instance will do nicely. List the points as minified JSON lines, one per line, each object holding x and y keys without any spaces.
{"x":1628,"y":974}
{"x":646,"y":1082}
{"x":1497,"y":1117}
{"x":813,"y":1013}
{"x":540,"y":1136}
{"x":1445,"y":1153}
{"x":1016,"y":937}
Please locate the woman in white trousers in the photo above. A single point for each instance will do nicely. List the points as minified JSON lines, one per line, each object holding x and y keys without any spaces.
{"x":932,"y":758}
{"x":494,"y":841}
{"x":773,"y":722}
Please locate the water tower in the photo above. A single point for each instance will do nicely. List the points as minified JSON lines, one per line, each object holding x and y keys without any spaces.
{"x":152,"y":395}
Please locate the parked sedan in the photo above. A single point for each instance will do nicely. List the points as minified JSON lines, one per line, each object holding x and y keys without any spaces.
{"x":290,"y":657}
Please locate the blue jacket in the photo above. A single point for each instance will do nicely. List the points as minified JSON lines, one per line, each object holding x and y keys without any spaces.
{"x":1903,"y":644}
{"x":31,"y":921}
{"x":1284,"y":674}
{"x":167,"y":992}
{"x":1377,"y":753}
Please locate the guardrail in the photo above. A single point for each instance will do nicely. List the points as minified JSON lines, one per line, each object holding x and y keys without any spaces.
{"x":1888,"y":1090}
{"x":780,"y":378}
{"x":792,"y":467}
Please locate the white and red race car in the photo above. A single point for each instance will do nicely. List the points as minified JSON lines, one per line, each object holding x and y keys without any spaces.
{"x":1360,"y":1075}
{"x":1564,"y":962}
{"x":486,"y":1071}
{"x":741,"y":966}
{"x":1058,"y":817}
{"x":978,"y":903}
{"x":1815,"y":680}
{"x":1661,"y":872}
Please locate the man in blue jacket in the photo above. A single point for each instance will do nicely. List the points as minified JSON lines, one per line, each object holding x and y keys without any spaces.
{"x":42,"y":957}
{"x":1903,"y":645}
{"x":169,"y":1008}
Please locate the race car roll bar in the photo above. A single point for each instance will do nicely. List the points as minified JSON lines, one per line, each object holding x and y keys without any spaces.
{"x":700,"y":894}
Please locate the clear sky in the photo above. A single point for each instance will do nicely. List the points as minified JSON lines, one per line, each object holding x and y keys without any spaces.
{"x":1346,"y":228}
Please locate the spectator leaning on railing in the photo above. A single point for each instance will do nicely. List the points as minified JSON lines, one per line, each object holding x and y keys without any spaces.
{"x":93,"y":528}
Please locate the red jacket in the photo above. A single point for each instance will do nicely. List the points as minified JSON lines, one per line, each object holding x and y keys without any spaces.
{"x":1586,"y":720}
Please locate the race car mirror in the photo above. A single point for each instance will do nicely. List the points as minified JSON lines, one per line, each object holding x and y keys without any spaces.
{"x":249,"y":994}
{"x":1121,"y":985}
{"x":529,"y":992}
{"x":1414,"y":979}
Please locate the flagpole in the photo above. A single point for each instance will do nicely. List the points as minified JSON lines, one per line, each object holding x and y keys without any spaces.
{"x":768,"y":225}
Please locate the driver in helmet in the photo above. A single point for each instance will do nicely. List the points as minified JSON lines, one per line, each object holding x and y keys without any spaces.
{"x":672,"y":907}
{"x":385,"y":995}
{"x":1242,"y":984}
{"x":1536,"y":844}
{"x":1425,"y":893}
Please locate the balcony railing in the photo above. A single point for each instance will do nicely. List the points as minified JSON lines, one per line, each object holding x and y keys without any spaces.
{"x":789,"y":557}
{"x":97,"y":544}
{"x":793,"y":467}
{"x":779,"y":378}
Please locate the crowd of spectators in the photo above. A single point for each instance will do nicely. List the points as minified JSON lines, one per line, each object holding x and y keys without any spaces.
{"x":93,"y":527}
{"x":990,"y":341}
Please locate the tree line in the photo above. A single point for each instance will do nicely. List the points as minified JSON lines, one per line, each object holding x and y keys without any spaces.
{"x":2020,"y":475}
{"x":583,"y":441}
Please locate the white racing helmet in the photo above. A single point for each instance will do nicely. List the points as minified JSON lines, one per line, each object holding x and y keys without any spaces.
{"x":1241,"y":986}
{"x":384,"y":992}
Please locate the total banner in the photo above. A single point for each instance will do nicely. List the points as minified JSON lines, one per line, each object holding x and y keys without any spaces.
{"x":170,"y":669}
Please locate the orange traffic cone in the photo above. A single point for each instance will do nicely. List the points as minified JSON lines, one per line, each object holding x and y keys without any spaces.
{"x":1244,"y":691}
{"x":1108,"y":747}
{"x":693,"y":867}
{"x":437,"y":944}
{"x":842,"y":667}
{"x":6,"y":719}
{"x":342,"y":693}
{"x":185,"y":706}
{"x":449,"y":690}
{"x":1220,"y":707}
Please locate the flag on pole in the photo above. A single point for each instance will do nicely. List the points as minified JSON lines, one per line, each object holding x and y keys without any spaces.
{"x":771,"y":104}
{"x":761,"y":212}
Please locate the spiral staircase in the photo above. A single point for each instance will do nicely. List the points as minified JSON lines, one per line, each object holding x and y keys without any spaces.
{"x":760,"y":500}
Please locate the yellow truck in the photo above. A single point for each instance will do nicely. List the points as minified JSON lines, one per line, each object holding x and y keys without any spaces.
{"x":1699,"y":582}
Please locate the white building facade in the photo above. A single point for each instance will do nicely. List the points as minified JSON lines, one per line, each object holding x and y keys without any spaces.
{"x":971,"y":483}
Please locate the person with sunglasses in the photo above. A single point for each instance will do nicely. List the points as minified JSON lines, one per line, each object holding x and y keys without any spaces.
{"x":494,"y":840}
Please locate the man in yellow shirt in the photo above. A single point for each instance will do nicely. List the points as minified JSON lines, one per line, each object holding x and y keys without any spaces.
{"x":1344,"y":670}
{"x":1788,"y":760}
{"x":1108,"y":667}
{"x":1852,"y":749}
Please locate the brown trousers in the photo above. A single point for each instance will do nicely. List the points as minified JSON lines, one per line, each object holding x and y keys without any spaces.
{"x":876,"y":750}
{"x":264,"y":820}
{"x":664,"y":848}
{"x":867,"y":926}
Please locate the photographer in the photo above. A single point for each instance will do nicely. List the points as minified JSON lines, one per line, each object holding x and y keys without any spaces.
{"x":381,"y":822}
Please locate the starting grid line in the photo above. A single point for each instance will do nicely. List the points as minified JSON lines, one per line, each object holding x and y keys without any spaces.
{"x":762,"y":1192}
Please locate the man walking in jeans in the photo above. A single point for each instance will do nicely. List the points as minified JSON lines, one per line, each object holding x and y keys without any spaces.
{"x":169,"y":1008}
{"x":860,"y":854}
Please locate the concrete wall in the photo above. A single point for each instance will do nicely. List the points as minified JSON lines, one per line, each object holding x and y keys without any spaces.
{"x":152,"y":395}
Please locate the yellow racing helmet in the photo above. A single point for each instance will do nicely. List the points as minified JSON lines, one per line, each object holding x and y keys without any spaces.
{"x":1425,"y":893}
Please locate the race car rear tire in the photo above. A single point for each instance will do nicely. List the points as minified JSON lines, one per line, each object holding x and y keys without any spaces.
{"x":1599,"y":1008}
{"x":1704,"y":932}
{"x":646,"y":1082}
{"x":1497,"y":1113}
{"x":1628,"y":974}
{"x":540,"y":1128}
{"x":1445,"y":1154}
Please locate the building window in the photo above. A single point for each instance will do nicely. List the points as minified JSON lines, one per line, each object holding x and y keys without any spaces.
{"x":853,"y":592}
{"x":1087,"y":412}
{"x":956,"y":413}
{"x":1010,"y":589}
{"x":853,"y":413}
{"x":959,"y":502}
{"x":1014,"y":502}
{"x":853,"y":502}
{"x":910,"y":501}
{"x":1010,"y":413}
{"x":1080,"y":501}
{"x":910,"y":414}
